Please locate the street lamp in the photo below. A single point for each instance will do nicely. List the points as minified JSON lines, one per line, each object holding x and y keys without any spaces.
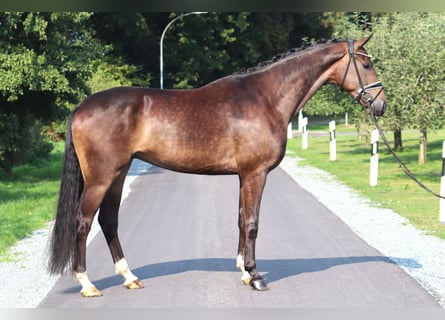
{"x":162,"y":41}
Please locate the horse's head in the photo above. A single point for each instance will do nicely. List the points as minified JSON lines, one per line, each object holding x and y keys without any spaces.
{"x":357,"y":76}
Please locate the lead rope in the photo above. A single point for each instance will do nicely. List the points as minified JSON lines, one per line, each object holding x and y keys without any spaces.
{"x":396,"y":157}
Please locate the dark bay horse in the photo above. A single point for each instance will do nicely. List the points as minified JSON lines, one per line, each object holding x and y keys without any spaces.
{"x":234,"y":125}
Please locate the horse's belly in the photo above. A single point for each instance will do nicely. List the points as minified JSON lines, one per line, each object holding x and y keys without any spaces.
{"x":204,"y":160}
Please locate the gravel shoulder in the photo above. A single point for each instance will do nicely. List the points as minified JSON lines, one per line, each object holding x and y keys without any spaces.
{"x":420,"y":255}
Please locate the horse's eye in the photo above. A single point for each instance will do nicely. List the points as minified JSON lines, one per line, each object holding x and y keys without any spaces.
{"x":367,"y":65}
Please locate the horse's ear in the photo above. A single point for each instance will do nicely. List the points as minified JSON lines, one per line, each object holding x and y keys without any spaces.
{"x":363,"y":41}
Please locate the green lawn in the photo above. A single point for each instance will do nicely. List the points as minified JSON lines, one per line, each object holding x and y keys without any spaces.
{"x":394,"y":190}
{"x":28,"y":198}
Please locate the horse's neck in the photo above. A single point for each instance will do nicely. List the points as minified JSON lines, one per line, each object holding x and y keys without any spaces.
{"x":296,"y":79}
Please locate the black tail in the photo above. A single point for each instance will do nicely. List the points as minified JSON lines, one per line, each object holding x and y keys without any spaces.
{"x":63,"y":244}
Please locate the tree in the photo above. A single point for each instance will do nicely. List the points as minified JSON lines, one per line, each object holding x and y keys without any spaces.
{"x":45,"y":59}
{"x":411,"y":56}
{"x":201,"y":48}
{"x":46,"y":54}
{"x":408,"y":55}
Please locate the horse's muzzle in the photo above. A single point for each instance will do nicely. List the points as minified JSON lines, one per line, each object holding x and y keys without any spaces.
{"x":378,"y":107}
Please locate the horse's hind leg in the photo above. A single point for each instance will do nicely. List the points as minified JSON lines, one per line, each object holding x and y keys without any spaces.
{"x":108,"y":220}
{"x":90,"y":200}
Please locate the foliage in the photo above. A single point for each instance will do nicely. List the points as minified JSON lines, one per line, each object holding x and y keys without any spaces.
{"x":409,"y":47}
{"x":46,"y":53}
{"x":20,"y":142}
{"x":201,"y":48}
{"x":232,"y":42}
{"x":409,"y":59}
{"x":9,"y":135}
{"x":110,"y":75}
{"x":45,"y":59}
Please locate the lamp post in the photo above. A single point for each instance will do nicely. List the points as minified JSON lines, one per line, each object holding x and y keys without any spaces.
{"x":161,"y":64}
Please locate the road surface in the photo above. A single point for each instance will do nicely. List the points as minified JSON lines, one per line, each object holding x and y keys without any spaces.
{"x":180,"y":235}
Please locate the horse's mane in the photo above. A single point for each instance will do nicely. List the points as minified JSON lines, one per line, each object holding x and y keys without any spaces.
{"x":292,"y":52}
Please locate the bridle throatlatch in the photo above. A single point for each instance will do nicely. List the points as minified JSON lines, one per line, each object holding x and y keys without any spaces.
{"x":361,"y":94}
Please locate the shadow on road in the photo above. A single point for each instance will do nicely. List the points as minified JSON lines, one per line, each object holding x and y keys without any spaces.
{"x":272,"y":270}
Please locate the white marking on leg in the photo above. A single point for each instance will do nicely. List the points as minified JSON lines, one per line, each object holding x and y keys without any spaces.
{"x":84,"y":281}
{"x":88,"y":289}
{"x":121,"y":268}
{"x":240,"y":264}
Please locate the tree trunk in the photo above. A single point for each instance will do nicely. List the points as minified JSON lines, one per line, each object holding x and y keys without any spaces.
{"x":398,"y":140}
{"x":358,"y":126}
{"x":422,"y":146}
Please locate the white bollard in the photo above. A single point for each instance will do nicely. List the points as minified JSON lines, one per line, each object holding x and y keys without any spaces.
{"x":374,"y":162}
{"x":442,"y":188}
{"x":289,"y":130}
{"x":300,"y":120}
{"x":332,"y":142}
{"x":304,"y":135}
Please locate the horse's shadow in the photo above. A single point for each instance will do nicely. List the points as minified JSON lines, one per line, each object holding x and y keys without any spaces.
{"x":272,"y":270}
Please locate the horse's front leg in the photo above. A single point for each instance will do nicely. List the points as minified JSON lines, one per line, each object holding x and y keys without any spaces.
{"x":245,"y":278}
{"x":251,"y":190}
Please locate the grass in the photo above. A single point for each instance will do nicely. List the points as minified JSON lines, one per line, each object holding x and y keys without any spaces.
{"x":28,"y":198}
{"x":394,"y":190}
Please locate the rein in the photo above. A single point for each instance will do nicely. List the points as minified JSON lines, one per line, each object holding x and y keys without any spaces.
{"x":397,"y":158}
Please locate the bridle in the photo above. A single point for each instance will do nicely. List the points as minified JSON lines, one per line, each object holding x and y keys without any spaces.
{"x":363,"y":91}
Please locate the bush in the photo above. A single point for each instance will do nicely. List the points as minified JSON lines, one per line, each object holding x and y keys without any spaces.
{"x":9,"y":137}
{"x":21,"y":141}
{"x":56,"y":130}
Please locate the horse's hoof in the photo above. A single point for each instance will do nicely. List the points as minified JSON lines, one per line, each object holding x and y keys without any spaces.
{"x":136,"y":284}
{"x":259,"y":285}
{"x":91,"y":292}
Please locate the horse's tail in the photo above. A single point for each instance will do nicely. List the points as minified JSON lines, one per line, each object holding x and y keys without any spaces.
{"x":63,"y":243}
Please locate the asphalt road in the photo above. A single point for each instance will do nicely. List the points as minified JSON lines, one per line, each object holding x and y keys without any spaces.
{"x":179,"y":233}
